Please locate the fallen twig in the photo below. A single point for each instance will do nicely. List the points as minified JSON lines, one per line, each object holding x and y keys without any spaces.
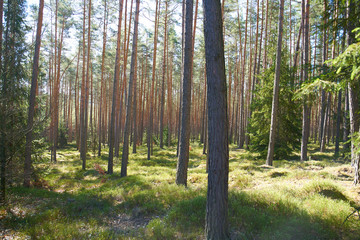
{"x":356,"y":210}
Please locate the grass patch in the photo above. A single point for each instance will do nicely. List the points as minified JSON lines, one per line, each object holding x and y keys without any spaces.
{"x":293,"y":200}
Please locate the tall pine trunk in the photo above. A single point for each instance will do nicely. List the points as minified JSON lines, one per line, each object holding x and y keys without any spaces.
{"x":275,"y":101}
{"x":183,"y":160}
{"x":102,"y":87}
{"x":353,"y":90}
{"x":115,"y":90}
{"x":306,"y":108}
{"x":153,"y":82}
{"x":216,"y":223}
{"x":125,"y":154}
{"x":164,"y":69}
{"x":31,"y":111}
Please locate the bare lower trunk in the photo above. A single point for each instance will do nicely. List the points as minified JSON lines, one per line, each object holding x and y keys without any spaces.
{"x":182,"y":165}
{"x":306,"y":108}
{"x":125,"y":154}
{"x":216,"y":223}
{"x":31,"y":112}
{"x":275,"y":101}
{"x":338,"y":121}
{"x":114,"y":98}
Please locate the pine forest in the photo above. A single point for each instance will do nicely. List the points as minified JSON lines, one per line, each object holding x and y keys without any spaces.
{"x":180,"y":119}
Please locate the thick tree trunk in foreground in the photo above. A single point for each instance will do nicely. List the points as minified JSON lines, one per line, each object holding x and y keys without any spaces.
{"x":353,"y":90}
{"x":275,"y":101}
{"x":125,"y":154}
{"x":183,"y":160}
{"x":216,"y":225}
{"x":31,"y":112}
{"x":2,"y":120}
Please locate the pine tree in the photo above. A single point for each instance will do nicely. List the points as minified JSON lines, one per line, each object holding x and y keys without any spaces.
{"x":31,"y":111}
{"x":12,"y":86}
{"x":216,"y":225}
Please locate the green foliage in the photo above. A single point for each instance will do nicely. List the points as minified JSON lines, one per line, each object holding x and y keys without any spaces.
{"x":310,"y":90}
{"x":62,"y":138}
{"x":288,"y":130}
{"x":13,"y":89}
{"x":348,"y":63}
{"x":346,"y":67}
{"x":343,"y":69}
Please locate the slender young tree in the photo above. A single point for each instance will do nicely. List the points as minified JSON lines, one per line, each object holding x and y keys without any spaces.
{"x":125,"y":154}
{"x":57,"y":78}
{"x":323,"y":94}
{"x":134,"y":121}
{"x":242,"y":100}
{"x":216,"y":223}
{"x":83,"y":89}
{"x":306,"y":108}
{"x":169,"y":102}
{"x":101,"y":103}
{"x":83,"y":149}
{"x":275,"y":101}
{"x":162,"y":103}
{"x":151,"y":109}
{"x":183,"y":160}
{"x":338,"y":121}
{"x":31,"y":111}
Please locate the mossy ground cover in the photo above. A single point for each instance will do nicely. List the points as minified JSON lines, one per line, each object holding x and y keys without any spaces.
{"x":291,"y":200}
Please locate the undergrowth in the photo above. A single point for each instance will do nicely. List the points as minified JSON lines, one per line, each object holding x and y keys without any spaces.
{"x":293,"y":200}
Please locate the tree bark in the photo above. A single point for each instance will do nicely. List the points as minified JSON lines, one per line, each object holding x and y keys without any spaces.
{"x":125,"y":154}
{"x":2,"y":120}
{"x":162,"y":102}
{"x":216,"y":223}
{"x":134,"y":120}
{"x":115,"y":90}
{"x":353,"y":89}
{"x":169,"y":102}
{"x":325,"y":125}
{"x":323,"y":95}
{"x":32,"y":100}
{"x":242,"y":105}
{"x":102,"y":88}
{"x":338,"y":122}
{"x":56,"y":93}
{"x":306,"y":108}
{"x":183,"y":160}
{"x":151,"y":121}
{"x":275,"y":101}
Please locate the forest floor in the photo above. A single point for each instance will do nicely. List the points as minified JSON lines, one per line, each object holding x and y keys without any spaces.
{"x":292,"y":200}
